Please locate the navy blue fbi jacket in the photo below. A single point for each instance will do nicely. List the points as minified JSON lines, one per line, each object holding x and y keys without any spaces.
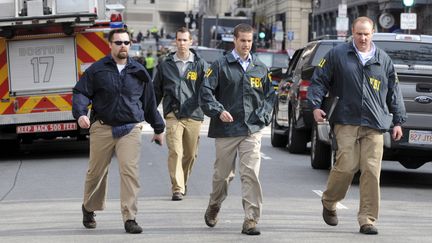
{"x":117,"y":98}
{"x":369,"y":95}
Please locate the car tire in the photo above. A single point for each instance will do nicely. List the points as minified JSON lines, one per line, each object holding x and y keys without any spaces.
{"x":277,"y":140}
{"x":321,"y":153}
{"x":297,"y":139}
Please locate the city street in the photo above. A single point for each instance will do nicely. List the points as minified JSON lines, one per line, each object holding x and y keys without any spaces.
{"x":41,"y":194}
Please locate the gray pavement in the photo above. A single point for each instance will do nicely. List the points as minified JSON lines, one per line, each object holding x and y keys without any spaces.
{"x":284,"y":220}
{"x":41,"y":196}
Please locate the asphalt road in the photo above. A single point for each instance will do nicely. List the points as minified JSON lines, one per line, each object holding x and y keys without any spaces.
{"x":41,"y":194}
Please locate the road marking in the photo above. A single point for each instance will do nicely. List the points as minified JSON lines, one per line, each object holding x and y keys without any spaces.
{"x":263,"y":156}
{"x":338,"y":205}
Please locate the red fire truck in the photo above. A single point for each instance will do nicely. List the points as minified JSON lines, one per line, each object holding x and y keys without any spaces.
{"x":45,"y":45}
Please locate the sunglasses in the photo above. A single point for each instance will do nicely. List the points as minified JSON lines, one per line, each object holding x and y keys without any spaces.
{"x":119,"y":43}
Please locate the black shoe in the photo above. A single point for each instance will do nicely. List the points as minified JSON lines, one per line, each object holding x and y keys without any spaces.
{"x":88,"y":218}
{"x":210,"y":215}
{"x":249,"y":228}
{"x":330,"y":217}
{"x":132,"y":227}
{"x":368,"y":229}
{"x":177,"y":196}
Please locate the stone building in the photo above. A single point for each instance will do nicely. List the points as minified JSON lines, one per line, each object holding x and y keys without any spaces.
{"x":385,"y":13}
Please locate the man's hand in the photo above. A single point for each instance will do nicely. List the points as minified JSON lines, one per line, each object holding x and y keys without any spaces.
{"x":225,"y":116}
{"x":319,"y":115}
{"x":158,"y":138}
{"x":84,"y":121}
{"x":397,"y":133}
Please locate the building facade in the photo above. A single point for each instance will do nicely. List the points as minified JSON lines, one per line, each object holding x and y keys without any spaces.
{"x":287,"y":22}
{"x":164,"y":15}
{"x":385,"y":13}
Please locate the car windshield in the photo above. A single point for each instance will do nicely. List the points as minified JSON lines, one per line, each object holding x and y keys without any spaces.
{"x":135,"y":48}
{"x":210,"y":55}
{"x":321,"y":51}
{"x":280,"y":60}
{"x":266,"y":58}
{"x":273,"y":60}
{"x":407,"y":53}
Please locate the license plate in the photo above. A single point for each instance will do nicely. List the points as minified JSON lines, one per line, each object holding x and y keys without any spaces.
{"x":420,"y":137}
{"x":54,"y":127}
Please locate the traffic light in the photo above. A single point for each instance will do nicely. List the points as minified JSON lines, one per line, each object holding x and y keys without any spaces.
{"x":408,"y":3}
{"x":261,"y":35}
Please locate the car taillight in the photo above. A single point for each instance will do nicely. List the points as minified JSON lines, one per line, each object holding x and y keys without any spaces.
{"x":303,"y":87}
{"x":276,"y":78}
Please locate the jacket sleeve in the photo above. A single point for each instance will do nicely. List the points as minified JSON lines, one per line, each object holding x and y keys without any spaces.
{"x":264,"y":112}
{"x":158,"y":84}
{"x":320,"y":82}
{"x":394,"y":98}
{"x":151,"y":114}
{"x":207,"y":94}
{"x":82,"y":94}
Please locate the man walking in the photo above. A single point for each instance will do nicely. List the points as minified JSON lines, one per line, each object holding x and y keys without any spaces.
{"x":177,"y":82}
{"x":122,"y":96}
{"x":238,"y":96}
{"x":370,"y":100}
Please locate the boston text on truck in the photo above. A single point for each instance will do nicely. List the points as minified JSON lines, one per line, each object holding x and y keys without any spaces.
{"x":45,"y":46}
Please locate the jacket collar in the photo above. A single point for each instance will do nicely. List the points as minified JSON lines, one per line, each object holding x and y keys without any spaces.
{"x":375,"y":59}
{"x":197,"y":57}
{"x":231,"y":59}
{"x":130,"y":64}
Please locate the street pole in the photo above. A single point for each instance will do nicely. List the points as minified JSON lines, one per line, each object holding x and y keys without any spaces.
{"x":409,"y":11}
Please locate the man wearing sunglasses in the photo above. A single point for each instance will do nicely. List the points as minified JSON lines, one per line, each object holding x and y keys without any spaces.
{"x":122,"y":96}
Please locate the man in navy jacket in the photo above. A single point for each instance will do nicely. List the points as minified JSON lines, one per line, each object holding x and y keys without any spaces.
{"x":122,"y":96}
{"x":370,"y":100}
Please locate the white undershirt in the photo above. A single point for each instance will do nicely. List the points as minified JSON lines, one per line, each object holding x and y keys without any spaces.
{"x":120,"y":67}
{"x":365,"y":56}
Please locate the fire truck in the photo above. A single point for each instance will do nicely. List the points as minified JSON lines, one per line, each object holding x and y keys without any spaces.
{"x":45,"y":46}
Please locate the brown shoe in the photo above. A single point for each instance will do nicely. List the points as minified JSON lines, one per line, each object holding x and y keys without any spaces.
{"x":249,"y":227}
{"x":330,"y":216}
{"x":177,"y":196}
{"x":88,"y":218}
{"x":210,"y":215}
{"x":368,"y":229}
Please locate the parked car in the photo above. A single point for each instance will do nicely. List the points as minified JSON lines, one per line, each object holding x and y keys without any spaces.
{"x":277,"y":62}
{"x":292,"y":118}
{"x":209,"y":54}
{"x":273,"y":58}
{"x":135,"y":50}
{"x":412,"y":58}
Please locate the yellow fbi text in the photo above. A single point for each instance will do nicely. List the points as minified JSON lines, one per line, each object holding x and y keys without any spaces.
{"x":192,"y":76}
{"x":375,"y":83}
{"x":255,"y":82}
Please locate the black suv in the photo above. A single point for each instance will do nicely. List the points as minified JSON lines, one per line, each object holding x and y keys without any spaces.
{"x":412,"y":58}
{"x":292,"y":118}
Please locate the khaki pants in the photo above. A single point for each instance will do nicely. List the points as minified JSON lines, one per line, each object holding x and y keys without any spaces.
{"x":358,"y":148}
{"x":248,"y":149}
{"x":182,"y":137}
{"x":127,"y":150}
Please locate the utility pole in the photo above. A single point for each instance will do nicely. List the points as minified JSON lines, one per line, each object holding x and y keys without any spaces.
{"x":408,"y":20}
